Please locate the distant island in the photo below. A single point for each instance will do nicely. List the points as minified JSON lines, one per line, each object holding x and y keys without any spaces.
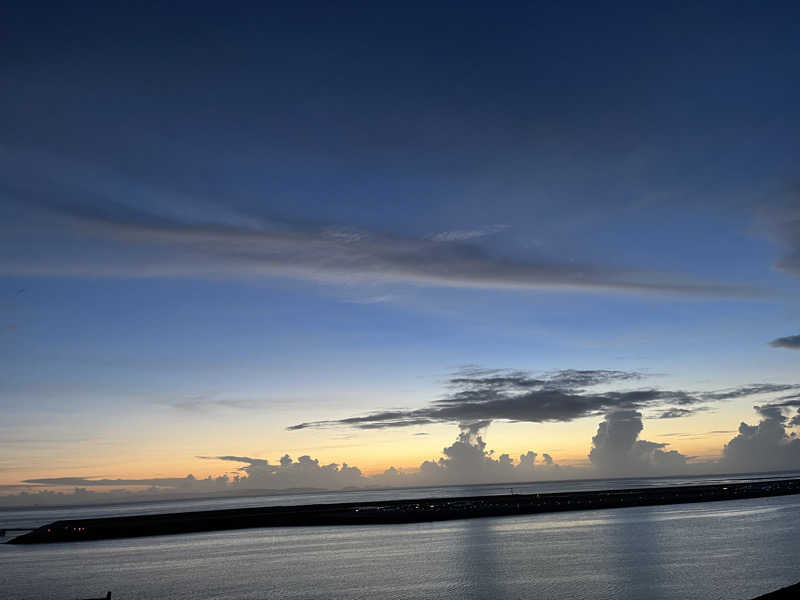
{"x":396,"y":511}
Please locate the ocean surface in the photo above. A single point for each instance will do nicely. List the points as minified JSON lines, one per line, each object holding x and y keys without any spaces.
{"x":732,"y":550}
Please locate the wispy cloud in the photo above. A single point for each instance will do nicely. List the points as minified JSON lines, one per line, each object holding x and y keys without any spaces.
{"x":90,"y":482}
{"x":198,"y":242}
{"x":750,"y":390}
{"x":782,"y":220}
{"x":202,"y":404}
{"x":462,"y":235}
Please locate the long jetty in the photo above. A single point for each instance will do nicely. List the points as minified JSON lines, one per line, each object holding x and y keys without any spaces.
{"x":396,"y":511}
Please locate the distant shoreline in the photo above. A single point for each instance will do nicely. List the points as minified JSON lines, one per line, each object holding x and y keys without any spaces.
{"x":175,"y":497}
{"x":396,"y":511}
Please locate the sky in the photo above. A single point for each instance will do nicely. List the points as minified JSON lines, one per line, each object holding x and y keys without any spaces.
{"x":468,"y":242}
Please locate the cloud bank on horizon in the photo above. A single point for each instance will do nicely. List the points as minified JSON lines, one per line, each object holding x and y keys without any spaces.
{"x":616,"y":451}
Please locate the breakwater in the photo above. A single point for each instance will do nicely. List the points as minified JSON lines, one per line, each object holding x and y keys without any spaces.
{"x":397,"y":511}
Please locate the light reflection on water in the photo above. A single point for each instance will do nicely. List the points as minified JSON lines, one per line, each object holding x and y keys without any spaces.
{"x":732,"y":550}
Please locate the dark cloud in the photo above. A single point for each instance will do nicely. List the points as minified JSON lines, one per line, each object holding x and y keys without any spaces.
{"x":255,"y":462}
{"x":750,"y":390}
{"x":791,"y":342}
{"x":616,"y":448}
{"x":477,"y":394}
{"x":777,"y":410}
{"x":675,"y":413}
{"x":224,"y":243}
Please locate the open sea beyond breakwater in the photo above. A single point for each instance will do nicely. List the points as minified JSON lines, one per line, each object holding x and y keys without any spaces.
{"x":731,"y":549}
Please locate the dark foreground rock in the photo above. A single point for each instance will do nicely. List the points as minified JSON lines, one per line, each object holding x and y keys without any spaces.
{"x":398,"y":511}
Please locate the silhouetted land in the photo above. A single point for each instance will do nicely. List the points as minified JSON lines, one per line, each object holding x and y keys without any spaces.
{"x":397,"y":511}
{"x":788,"y":593}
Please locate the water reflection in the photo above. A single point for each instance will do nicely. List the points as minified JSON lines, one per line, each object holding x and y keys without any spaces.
{"x":482,"y":574}
{"x":636,"y":555}
{"x":735,"y":549}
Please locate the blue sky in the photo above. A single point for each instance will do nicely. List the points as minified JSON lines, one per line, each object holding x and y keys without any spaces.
{"x":281,"y":214}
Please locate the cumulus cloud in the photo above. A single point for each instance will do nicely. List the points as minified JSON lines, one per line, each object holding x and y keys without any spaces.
{"x":197,"y":241}
{"x":468,"y":460}
{"x":474,"y":398}
{"x":616,"y":449}
{"x":766,"y":446}
{"x":305,"y":472}
{"x":477,"y":394}
{"x":791,"y":342}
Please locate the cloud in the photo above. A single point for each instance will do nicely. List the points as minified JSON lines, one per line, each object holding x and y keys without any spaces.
{"x":461,"y":235}
{"x":782,"y":220}
{"x":253,"y":462}
{"x":791,"y":342}
{"x":766,"y":446}
{"x":697,"y":435}
{"x":675,"y":413}
{"x":468,"y":460}
{"x":305,"y":472}
{"x":477,"y":394}
{"x":169,"y":482}
{"x":777,"y":409}
{"x":132,"y":240}
{"x":200,"y":404}
{"x":750,"y":390}
{"x":616,"y":449}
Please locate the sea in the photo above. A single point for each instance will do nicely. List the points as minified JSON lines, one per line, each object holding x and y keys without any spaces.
{"x":728,"y":550}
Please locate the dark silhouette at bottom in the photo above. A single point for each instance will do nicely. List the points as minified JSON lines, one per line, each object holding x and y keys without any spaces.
{"x":791,"y":592}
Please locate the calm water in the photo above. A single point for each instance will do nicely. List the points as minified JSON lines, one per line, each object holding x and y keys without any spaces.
{"x":732,"y":550}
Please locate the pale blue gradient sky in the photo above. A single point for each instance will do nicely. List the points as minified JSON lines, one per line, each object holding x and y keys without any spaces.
{"x":219,"y":224}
